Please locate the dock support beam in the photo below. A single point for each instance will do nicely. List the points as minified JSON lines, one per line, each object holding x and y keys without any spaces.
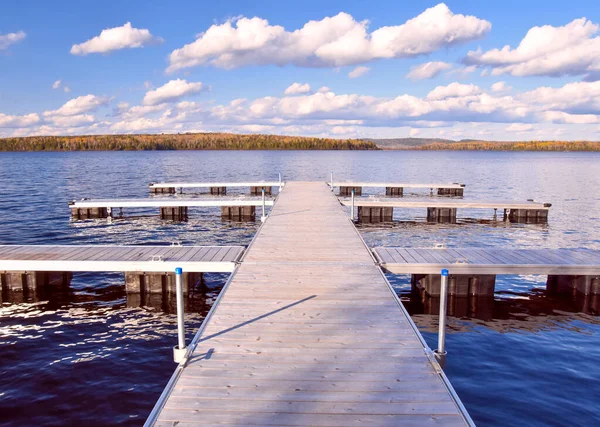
{"x":394,"y":191}
{"x":347,"y":191}
{"x":218,"y":191}
{"x":29,"y":281}
{"x":238,"y":213}
{"x":158,"y":283}
{"x":447,"y":215}
{"x":450,"y":191}
{"x":162,"y":190}
{"x":377,"y":214}
{"x":89,"y":213}
{"x":257,"y":191}
{"x":174,"y":213}
{"x":531,"y":216}
{"x":459,"y":285}
{"x":585,"y":285}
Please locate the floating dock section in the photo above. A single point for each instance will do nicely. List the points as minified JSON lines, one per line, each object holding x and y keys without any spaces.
{"x":473,"y":271}
{"x":172,"y":208}
{"x":308,"y":332}
{"x":445,"y":210}
{"x":148,"y":269}
{"x":215,"y":188}
{"x":397,"y":189}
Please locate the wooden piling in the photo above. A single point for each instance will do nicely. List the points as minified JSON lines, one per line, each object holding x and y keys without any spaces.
{"x":347,"y":191}
{"x":394,"y":191}
{"x":442,"y":215}
{"x":174,"y":213}
{"x":374,"y":215}
{"x":238,"y":213}
{"x":458,"y":285}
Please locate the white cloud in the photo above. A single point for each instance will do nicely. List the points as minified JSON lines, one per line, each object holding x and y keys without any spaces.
{"x":453,"y":90}
{"x":331,"y":42}
{"x":114,"y":39}
{"x":500,"y":87}
{"x":413,"y":132}
{"x":358,"y":72}
{"x":79,"y":105}
{"x":296,"y":88}
{"x":172,"y":91}
{"x":519,"y":127}
{"x":7,"y":121}
{"x":547,"y":51}
{"x":66,"y":89}
{"x":56,"y":84}
{"x":324,"y":89}
{"x":427,"y":70}
{"x":11,"y":38}
{"x":464,"y":110}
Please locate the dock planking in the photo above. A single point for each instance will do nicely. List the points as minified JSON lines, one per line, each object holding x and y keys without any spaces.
{"x":489,"y":261}
{"x":308,"y":332}
{"x":98,"y":258}
{"x":216,"y":184}
{"x":167,"y":202}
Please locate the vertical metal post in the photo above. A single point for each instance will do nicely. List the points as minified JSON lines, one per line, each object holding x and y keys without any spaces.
{"x":109,"y":214}
{"x":179,"y":350}
{"x":352,"y":207}
{"x":264,"y":215}
{"x":331,"y":181}
{"x":441,"y":350}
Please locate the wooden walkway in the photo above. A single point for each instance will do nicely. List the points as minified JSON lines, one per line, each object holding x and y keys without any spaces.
{"x":162,"y":259}
{"x":308,"y":332}
{"x":489,"y":261}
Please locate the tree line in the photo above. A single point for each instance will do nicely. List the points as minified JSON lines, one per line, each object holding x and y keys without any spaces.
{"x":187,"y":141}
{"x":514,"y":146}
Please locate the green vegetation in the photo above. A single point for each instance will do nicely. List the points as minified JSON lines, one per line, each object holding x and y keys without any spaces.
{"x":187,"y":141}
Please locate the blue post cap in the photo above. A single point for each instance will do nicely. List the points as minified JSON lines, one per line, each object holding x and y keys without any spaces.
{"x":178,"y":270}
{"x":444,"y":272}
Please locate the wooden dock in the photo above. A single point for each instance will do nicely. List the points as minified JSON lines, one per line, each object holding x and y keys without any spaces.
{"x":473,"y":271}
{"x":198,"y":259}
{"x":172,"y":208}
{"x":308,"y":332}
{"x":371,"y":209}
{"x":148,"y":269}
{"x":215,"y":188}
{"x":397,"y":188}
{"x":489,"y":261}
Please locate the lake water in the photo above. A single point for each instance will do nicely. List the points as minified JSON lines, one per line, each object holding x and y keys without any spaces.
{"x":89,"y":355}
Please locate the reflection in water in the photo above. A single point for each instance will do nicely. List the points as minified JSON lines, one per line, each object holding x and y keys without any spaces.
{"x":91,"y":333}
{"x":506,"y":311}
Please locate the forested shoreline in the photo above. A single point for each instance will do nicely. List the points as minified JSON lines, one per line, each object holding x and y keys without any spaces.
{"x":227,"y":141}
{"x":188,"y":141}
{"x":512,"y":146}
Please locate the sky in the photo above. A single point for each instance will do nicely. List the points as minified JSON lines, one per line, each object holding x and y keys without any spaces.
{"x":465,"y":69}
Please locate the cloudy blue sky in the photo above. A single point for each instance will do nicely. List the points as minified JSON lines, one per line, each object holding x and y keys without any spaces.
{"x":460,"y":69}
